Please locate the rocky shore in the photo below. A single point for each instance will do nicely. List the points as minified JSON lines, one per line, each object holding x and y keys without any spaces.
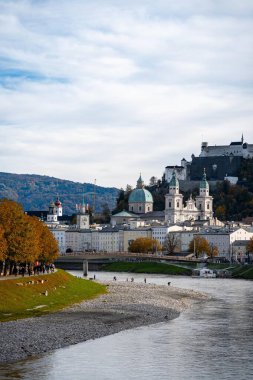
{"x":127,"y":305}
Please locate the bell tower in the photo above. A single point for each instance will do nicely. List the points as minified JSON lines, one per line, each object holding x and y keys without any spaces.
{"x":173,"y":202}
{"x":82,"y":217}
{"x":52,"y":214}
{"x":204,"y":202}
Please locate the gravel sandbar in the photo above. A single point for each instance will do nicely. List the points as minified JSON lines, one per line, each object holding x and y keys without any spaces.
{"x":127,"y":305}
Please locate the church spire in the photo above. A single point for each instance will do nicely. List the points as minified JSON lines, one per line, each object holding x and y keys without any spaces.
{"x":140,"y":183}
{"x":174,"y":184}
{"x":204,"y":186}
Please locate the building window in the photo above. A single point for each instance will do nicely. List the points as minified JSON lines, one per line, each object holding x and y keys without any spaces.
{"x":177,"y":204}
{"x":207,"y":206}
{"x":169,"y":204}
{"x":139,"y":208}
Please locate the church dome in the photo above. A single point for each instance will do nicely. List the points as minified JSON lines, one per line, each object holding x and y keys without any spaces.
{"x":57,"y":202}
{"x":140,"y":195}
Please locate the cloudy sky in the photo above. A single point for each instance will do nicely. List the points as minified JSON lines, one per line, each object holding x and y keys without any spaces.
{"x":107,"y":89}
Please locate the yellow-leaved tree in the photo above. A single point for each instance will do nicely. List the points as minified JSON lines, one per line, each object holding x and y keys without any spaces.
{"x":49,"y":246}
{"x":199,"y":245}
{"x":144,"y":245}
{"x":26,"y":238}
{"x":3,"y":248}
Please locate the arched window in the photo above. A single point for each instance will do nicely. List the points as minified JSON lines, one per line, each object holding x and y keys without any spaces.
{"x":169,"y":204}
{"x":177,"y":204}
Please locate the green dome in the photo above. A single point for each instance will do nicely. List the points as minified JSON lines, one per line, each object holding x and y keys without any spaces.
{"x":140,"y":195}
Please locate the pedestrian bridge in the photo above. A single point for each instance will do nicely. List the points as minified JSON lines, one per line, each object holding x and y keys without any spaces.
{"x":79,"y":260}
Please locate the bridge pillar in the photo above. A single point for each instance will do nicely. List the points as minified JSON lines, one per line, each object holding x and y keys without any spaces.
{"x":85,"y":267}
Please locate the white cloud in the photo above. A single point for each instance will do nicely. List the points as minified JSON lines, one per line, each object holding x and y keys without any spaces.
{"x":108,"y":89}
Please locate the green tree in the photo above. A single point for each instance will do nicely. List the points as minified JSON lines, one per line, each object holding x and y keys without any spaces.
{"x":106,"y":213}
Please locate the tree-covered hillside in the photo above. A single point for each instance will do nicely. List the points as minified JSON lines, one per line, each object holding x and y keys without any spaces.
{"x":35,"y":192}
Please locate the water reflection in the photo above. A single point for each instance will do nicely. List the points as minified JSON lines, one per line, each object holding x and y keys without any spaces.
{"x":212,"y":340}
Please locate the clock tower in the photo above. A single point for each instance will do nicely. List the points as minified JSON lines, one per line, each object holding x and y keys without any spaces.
{"x":82,"y":217}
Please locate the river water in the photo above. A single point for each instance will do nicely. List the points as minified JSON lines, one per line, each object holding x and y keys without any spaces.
{"x":212,"y":340}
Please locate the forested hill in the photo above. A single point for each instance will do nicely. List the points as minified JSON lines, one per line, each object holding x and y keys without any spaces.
{"x":35,"y":192}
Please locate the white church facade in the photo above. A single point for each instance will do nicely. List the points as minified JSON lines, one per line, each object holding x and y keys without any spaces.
{"x":199,"y":209}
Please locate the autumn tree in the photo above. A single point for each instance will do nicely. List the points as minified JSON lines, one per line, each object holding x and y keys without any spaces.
{"x":12,"y":221}
{"x":24,"y":239}
{"x":249,"y":245}
{"x":171,"y":244}
{"x":3,"y":248}
{"x":3,"y":245}
{"x":199,"y":245}
{"x":144,"y":245}
{"x":214,"y":251}
{"x":23,"y":244}
{"x":49,"y":246}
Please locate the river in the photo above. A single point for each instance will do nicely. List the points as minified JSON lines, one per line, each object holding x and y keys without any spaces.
{"x":211,"y":340}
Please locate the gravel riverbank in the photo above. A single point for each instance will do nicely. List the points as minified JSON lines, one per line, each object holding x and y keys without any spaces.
{"x":127,"y":305}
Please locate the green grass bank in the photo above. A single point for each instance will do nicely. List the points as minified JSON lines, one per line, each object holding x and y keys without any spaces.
{"x":37,"y":295}
{"x":242,"y":271}
{"x":237,"y":271}
{"x":149,"y":267}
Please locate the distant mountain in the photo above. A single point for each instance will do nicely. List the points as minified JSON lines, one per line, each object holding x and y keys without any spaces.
{"x":35,"y":192}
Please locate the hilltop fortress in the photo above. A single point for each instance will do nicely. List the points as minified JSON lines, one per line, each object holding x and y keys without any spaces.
{"x":219,"y":161}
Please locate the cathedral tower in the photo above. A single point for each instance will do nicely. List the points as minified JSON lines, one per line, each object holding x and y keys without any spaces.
{"x":204,"y":202}
{"x":173,"y":202}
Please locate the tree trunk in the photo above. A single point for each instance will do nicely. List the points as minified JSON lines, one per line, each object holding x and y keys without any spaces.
{"x":6,"y":267}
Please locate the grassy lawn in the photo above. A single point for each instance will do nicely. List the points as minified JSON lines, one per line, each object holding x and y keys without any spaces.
{"x":29,"y":300}
{"x":148,"y":267}
{"x":218,"y":265}
{"x":243,"y":271}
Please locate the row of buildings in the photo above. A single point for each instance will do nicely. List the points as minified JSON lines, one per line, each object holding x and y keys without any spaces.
{"x":184,"y":221}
